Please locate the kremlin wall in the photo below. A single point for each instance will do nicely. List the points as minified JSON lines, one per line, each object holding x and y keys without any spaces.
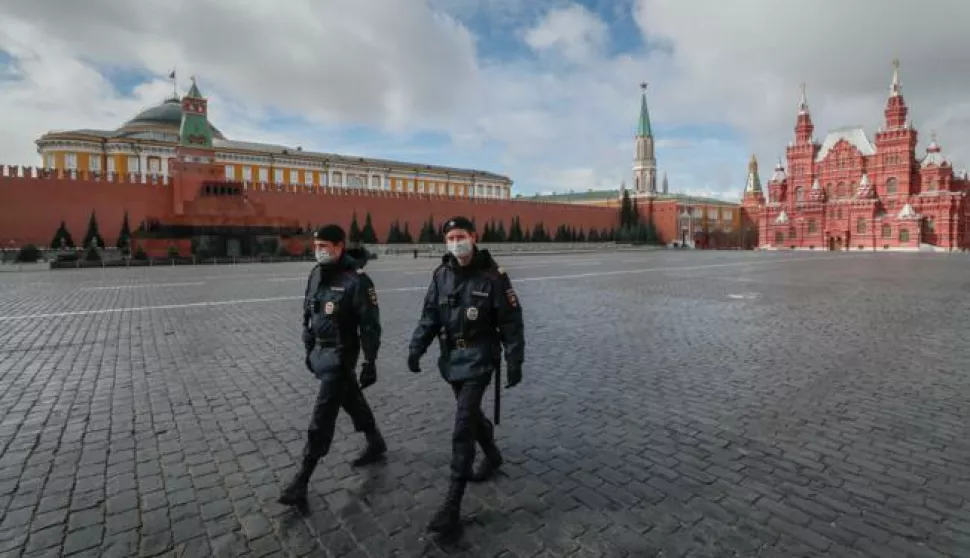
{"x":185,"y":184}
{"x":32,"y":208}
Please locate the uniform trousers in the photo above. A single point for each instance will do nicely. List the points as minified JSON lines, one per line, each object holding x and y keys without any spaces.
{"x":470,"y":425}
{"x":338,"y":390}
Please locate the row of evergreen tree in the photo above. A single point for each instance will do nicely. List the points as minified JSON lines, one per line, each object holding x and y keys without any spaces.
{"x":632,"y":229}
{"x":64,"y":239}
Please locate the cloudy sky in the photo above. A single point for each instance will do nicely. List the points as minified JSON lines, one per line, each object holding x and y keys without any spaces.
{"x":545,"y":91}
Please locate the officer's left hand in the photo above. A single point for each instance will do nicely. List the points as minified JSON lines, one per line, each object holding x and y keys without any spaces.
{"x":368,"y":374}
{"x":514,"y":374}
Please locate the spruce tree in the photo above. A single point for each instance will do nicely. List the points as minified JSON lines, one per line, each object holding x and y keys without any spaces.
{"x":406,"y":234}
{"x":354,"y":234}
{"x":500,"y":235}
{"x":515,"y":231}
{"x":62,"y":238}
{"x":93,"y":235}
{"x":487,"y":233}
{"x":367,"y":235}
{"x":124,"y":237}
{"x":393,"y":234}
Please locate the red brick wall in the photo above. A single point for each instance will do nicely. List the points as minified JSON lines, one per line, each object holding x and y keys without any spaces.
{"x":32,"y":208}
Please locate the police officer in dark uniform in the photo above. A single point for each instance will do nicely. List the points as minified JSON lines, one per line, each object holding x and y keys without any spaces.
{"x":340,"y":318}
{"x":473,"y":309}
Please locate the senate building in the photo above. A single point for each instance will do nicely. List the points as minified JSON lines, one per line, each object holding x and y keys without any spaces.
{"x":144,"y":145}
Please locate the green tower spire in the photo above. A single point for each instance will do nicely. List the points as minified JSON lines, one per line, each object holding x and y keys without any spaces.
{"x":643,"y":129}
{"x":195,"y":130}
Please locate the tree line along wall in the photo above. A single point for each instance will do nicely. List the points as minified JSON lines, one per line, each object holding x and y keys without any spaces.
{"x":31,"y":209}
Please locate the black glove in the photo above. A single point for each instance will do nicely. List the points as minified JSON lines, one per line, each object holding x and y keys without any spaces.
{"x":414,"y":362}
{"x":308,"y":340}
{"x":307,"y":362}
{"x":368,"y":374}
{"x":514,"y":374}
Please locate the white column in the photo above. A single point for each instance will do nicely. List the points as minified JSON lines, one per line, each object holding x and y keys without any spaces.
{"x":143,"y":166}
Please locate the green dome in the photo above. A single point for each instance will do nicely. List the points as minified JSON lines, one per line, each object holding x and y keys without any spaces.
{"x":164,"y":117}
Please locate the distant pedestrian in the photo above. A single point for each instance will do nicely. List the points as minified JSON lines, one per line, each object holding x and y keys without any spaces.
{"x":340,"y":318}
{"x":474,"y":310}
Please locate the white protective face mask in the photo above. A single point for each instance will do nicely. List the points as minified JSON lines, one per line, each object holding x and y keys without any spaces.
{"x":323,"y":256}
{"x":460,"y":248}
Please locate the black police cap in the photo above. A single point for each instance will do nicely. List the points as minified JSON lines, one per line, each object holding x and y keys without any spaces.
{"x":330,"y":233}
{"x":459,"y":222}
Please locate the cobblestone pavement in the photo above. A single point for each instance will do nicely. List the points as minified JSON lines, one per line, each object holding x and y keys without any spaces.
{"x":674,"y":404}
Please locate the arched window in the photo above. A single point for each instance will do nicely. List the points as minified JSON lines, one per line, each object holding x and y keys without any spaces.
{"x":887,"y":231}
{"x":904,"y":235}
{"x":799,"y":195}
{"x":931,"y":186}
{"x":841,"y":189}
{"x":891,"y":186}
{"x":829,"y":190}
{"x":779,"y":237}
{"x":860,"y":227}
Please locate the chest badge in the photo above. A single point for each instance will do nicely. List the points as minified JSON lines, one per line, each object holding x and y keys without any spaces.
{"x":328,"y":308}
{"x":472,"y":314}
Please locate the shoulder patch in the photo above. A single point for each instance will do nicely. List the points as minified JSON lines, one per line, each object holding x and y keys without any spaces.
{"x":511,"y":298}
{"x":372,"y":295}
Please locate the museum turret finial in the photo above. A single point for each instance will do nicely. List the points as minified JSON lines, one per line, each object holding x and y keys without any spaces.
{"x":895,"y":88}
{"x":803,"y":125}
{"x":643,"y":126}
{"x":195,"y":130}
{"x":665,"y":186}
{"x":803,"y":102}
{"x":896,"y":109}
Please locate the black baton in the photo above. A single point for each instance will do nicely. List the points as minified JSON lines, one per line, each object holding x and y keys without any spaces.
{"x":498,"y":393}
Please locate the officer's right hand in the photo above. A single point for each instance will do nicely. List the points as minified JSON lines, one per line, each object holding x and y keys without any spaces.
{"x":514,"y":374}
{"x":414,"y":362}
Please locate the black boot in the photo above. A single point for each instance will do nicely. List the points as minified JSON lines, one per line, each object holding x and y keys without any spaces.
{"x":492,"y":457}
{"x":447,"y":520}
{"x":375,"y":450}
{"x":295,"y":493}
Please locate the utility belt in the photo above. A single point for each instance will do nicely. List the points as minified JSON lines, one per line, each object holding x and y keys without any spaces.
{"x":462,"y":343}
{"x":327,"y":343}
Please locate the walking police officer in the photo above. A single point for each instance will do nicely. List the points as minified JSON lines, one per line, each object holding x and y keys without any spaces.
{"x":473,"y":308}
{"x":340,"y":317}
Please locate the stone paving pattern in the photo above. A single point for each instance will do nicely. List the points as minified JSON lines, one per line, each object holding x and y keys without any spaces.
{"x":710,"y":404}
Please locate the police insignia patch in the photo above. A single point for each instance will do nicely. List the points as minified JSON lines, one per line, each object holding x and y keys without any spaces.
{"x":328,"y":308}
{"x":510,"y":296}
{"x":472,"y":313}
{"x":372,"y":294}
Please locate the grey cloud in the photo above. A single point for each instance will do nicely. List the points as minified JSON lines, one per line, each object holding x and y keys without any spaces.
{"x":389,"y":62}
